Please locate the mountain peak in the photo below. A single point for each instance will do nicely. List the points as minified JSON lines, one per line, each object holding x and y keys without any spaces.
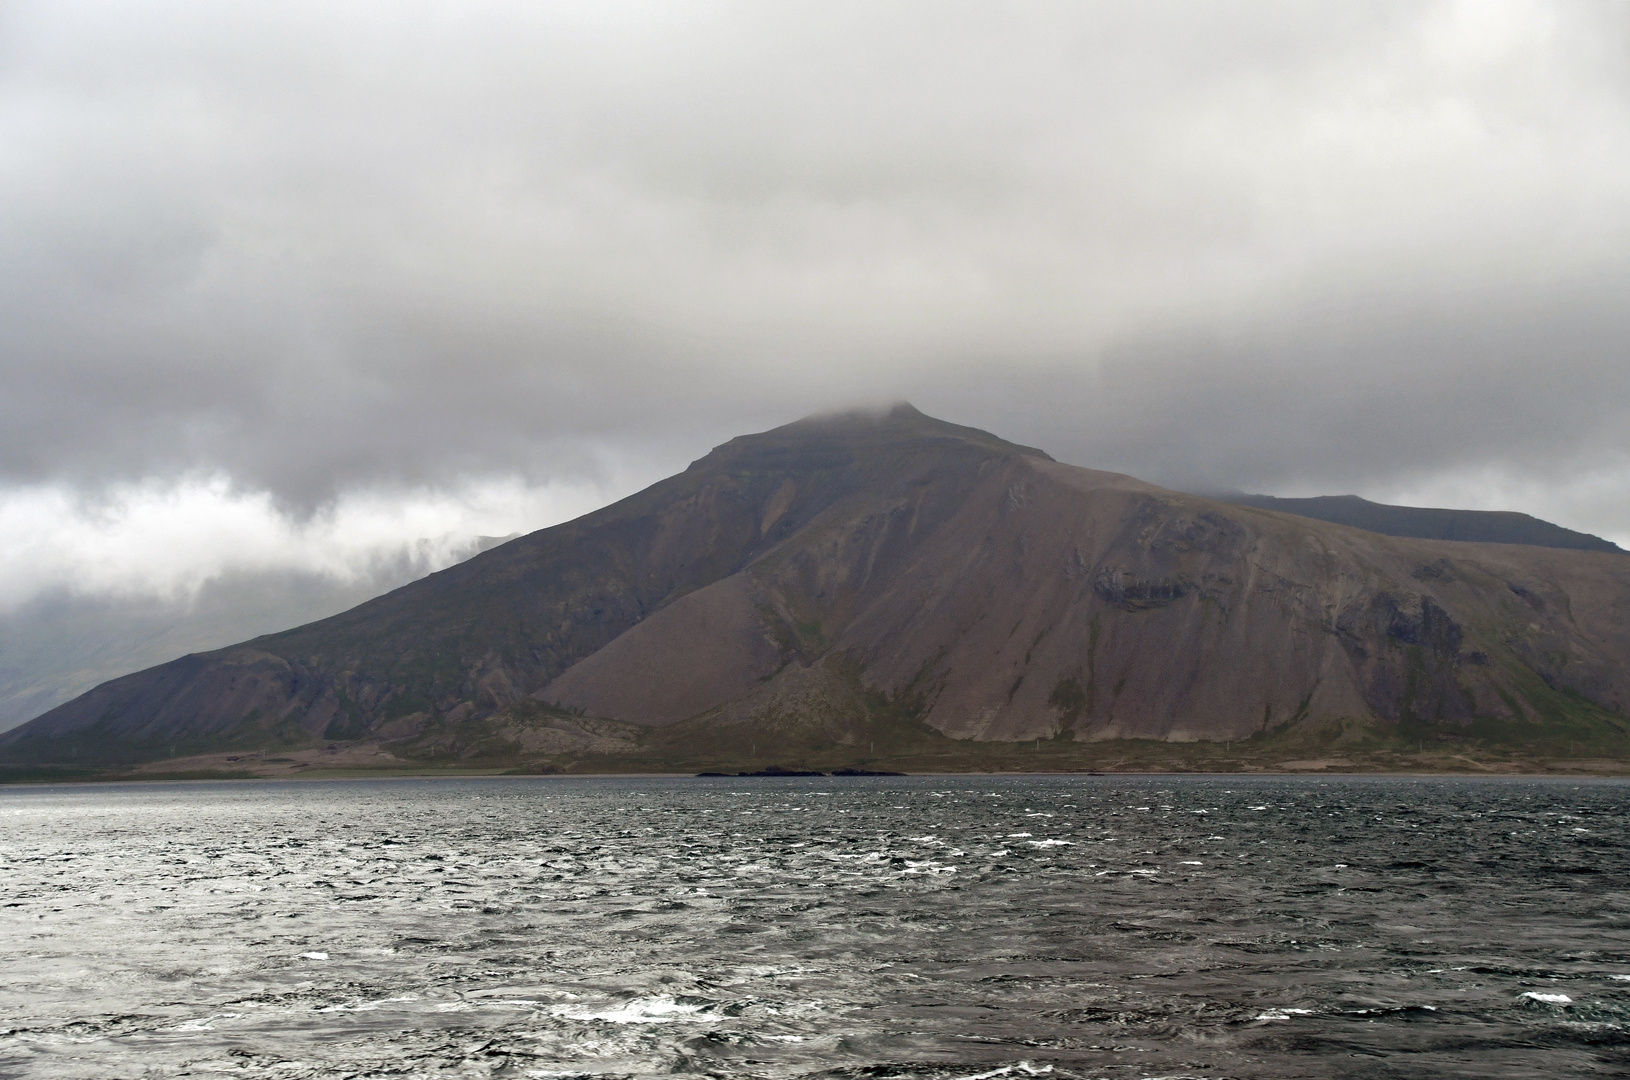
{"x":849,"y":432}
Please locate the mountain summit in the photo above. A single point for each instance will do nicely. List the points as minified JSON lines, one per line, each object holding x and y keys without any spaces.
{"x":851,"y":565}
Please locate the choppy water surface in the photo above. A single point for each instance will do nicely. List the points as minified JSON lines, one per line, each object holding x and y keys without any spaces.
{"x":914,"y":927}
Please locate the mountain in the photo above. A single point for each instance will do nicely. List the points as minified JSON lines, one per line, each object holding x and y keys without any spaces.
{"x":849,"y":578}
{"x":1430,"y":523}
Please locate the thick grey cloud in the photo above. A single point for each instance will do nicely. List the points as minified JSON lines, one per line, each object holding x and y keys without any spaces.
{"x":320,"y":249}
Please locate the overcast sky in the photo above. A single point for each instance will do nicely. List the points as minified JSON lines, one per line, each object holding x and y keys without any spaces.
{"x":284,"y":287}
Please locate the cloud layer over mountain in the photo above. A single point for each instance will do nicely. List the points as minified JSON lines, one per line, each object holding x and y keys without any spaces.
{"x":262,"y":267}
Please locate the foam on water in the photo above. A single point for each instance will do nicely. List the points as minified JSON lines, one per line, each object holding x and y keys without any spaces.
{"x":662,"y":1009}
{"x":1008,"y":1070}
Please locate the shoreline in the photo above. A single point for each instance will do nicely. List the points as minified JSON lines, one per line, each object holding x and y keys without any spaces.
{"x":345,"y":776}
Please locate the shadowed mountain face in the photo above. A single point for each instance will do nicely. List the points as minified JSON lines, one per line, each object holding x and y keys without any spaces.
{"x":993,"y":593}
{"x":1429,"y":523}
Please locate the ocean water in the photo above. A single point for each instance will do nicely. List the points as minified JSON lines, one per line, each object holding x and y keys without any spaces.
{"x":864,"y":927}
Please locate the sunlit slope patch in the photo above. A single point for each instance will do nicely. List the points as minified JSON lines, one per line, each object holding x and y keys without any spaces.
{"x":845,"y":575}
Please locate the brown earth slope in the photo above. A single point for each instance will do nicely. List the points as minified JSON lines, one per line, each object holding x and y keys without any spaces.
{"x":989,"y":591}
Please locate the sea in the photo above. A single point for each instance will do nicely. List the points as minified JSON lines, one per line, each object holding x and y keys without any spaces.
{"x":964,"y":927}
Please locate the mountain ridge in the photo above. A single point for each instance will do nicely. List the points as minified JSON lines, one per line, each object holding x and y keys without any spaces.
{"x":824,"y":577}
{"x":1430,"y":523}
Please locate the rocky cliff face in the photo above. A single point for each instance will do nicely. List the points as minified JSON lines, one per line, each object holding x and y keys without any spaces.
{"x":1000,"y":594}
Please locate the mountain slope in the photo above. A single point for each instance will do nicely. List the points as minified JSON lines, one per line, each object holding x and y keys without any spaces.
{"x":1047,"y":599}
{"x":480,"y":635}
{"x":844,"y":564}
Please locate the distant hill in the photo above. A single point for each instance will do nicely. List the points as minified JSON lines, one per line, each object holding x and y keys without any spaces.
{"x":1428,"y":523}
{"x":846,"y":580}
{"x":58,"y":648}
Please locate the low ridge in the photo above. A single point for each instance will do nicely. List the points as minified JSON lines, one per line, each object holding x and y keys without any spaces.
{"x":1430,"y":523}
